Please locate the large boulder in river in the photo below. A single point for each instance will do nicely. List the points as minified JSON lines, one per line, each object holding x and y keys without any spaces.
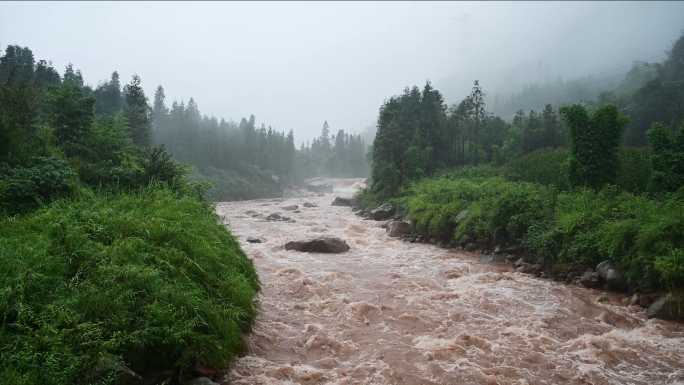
{"x":341,"y":201}
{"x":608,"y":271}
{"x":321,"y":244}
{"x":383,"y":212}
{"x":319,"y":187}
{"x":665,"y":308}
{"x":397,"y":228}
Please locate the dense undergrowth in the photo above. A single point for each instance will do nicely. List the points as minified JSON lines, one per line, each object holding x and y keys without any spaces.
{"x":110,"y":255}
{"x":102,"y":278}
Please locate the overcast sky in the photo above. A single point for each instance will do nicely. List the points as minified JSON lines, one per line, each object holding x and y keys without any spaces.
{"x":295,"y":65}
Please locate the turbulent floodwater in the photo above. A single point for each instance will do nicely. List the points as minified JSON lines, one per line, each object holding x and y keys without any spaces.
{"x":389,"y":312}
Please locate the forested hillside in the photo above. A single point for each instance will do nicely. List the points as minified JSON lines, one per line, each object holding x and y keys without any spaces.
{"x":563,"y":182}
{"x":240,"y":159}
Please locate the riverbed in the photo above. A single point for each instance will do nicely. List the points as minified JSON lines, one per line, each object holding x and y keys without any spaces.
{"x":391,"y":312}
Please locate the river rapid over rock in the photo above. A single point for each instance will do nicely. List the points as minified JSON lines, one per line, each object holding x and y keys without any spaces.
{"x":390,"y":312}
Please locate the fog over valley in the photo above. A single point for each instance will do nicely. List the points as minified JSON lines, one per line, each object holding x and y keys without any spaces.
{"x":296,"y":65}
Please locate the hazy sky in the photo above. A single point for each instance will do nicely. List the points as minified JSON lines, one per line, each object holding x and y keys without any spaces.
{"x":294,"y":65}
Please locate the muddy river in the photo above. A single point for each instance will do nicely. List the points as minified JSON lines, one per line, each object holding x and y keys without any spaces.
{"x":390,"y":312}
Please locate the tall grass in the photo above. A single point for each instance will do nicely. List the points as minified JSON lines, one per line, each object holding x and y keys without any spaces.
{"x":99,"y":279}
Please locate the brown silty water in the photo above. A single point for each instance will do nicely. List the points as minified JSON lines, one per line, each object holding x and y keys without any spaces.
{"x":390,"y":312}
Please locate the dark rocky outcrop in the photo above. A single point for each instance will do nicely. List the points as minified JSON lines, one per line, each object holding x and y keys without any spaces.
{"x":465,"y":239}
{"x":383,"y":212}
{"x":397,"y":229}
{"x":341,"y":201}
{"x":321,"y":244}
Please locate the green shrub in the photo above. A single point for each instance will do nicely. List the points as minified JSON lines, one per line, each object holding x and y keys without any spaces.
{"x":101,"y":278}
{"x":21,"y":188}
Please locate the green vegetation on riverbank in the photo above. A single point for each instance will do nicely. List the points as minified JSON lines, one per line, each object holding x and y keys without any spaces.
{"x":110,"y":255}
{"x":594,"y":201}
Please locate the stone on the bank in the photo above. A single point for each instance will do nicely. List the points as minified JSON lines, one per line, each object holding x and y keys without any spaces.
{"x":665,"y":308}
{"x":470,"y":247}
{"x":383,"y":212}
{"x":493,"y":258}
{"x":513,"y":249}
{"x":610,"y":272}
{"x":465,"y":239}
{"x":519,"y":262}
{"x":125,"y":376}
{"x":462,"y":216}
{"x":590,"y":279}
{"x":321,"y":244}
{"x":398,"y":229}
{"x":341,"y":201}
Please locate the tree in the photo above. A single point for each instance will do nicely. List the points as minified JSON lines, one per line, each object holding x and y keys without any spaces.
{"x":136,"y":112}
{"x":667,"y":158}
{"x":594,"y":144}
{"x":478,"y":111}
{"x":70,"y":115}
{"x":109,"y":97}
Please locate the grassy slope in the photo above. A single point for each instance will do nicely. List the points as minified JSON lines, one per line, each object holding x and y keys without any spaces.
{"x":98,"y":279}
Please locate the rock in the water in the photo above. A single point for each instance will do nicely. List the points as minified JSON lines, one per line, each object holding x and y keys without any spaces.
{"x":307,"y":204}
{"x":384,"y":225}
{"x":285,"y":219}
{"x":398,"y":229}
{"x":665,"y":308}
{"x":608,"y":271}
{"x":291,"y":207}
{"x":493,"y":258}
{"x":321,"y":244}
{"x":383,"y":212}
{"x":590,"y":279}
{"x":321,"y":195}
{"x":125,"y":376}
{"x":603,"y":298}
{"x":470,"y":247}
{"x":465,"y":239}
{"x":341,"y":201}
{"x":525,"y":269}
{"x":462,"y":216}
{"x":296,"y":212}
{"x":274,"y":217}
{"x":319,"y":187}
{"x":634,"y":301}
{"x":253,"y":240}
{"x":519,"y":262}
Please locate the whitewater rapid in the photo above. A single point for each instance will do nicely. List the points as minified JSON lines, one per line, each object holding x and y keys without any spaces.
{"x":390,"y":312}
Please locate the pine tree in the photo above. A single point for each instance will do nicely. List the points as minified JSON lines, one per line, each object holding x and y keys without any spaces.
{"x":136,"y":112}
